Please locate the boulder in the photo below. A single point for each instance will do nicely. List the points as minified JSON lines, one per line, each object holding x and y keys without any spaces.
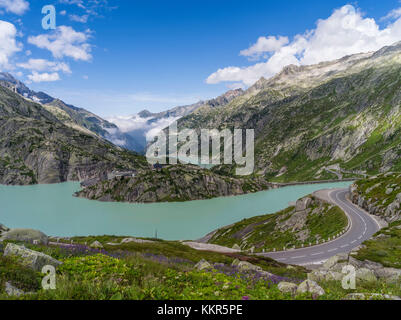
{"x":25,"y":235}
{"x":135,"y":240}
{"x":330,"y":263}
{"x":389,"y":275}
{"x":246,"y":266}
{"x":372,"y":265}
{"x":323,"y":275}
{"x":389,"y":191}
{"x":96,"y":245}
{"x":355,"y":263}
{"x":303,"y":204}
{"x":202,"y":265}
{"x":33,"y":259}
{"x":338,"y":267}
{"x":13,"y":291}
{"x":309,"y":286}
{"x":288,"y":287}
{"x":366,"y":275}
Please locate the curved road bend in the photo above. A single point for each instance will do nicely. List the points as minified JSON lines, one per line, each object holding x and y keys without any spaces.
{"x":362,"y":228}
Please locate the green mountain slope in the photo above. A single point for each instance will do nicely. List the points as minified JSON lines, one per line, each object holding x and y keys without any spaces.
{"x":334,"y":119}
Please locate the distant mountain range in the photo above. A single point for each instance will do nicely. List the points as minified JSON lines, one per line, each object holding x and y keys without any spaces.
{"x":131,"y":132}
{"x":143,"y":126}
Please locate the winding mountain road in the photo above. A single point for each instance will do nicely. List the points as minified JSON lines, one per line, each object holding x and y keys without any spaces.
{"x":362,"y":228}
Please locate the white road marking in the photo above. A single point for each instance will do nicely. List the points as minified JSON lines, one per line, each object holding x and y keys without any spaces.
{"x":317,"y":254}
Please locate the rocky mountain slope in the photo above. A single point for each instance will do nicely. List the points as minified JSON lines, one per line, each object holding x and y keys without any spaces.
{"x":311,"y":220}
{"x":172,"y":184}
{"x":344,"y":113}
{"x":379,"y":195}
{"x":36,"y":147}
{"x":77,"y":118}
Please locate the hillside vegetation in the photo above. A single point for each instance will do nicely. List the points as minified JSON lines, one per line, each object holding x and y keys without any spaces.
{"x":311,"y":221}
{"x":379,"y":195}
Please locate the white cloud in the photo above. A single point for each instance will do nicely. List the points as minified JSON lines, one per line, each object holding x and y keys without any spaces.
{"x":79,"y":3}
{"x":345,"y":32}
{"x":393,"y":14}
{"x":15,"y":6}
{"x":149,"y":126}
{"x":43,"y":77}
{"x":65,"y":42}
{"x":264,"y":45}
{"x":63,"y":12}
{"x":45,"y":65}
{"x":77,"y":18}
{"x":8,"y":43}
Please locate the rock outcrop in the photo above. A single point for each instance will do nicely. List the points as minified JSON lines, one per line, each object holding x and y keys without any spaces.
{"x":172,"y":184}
{"x":202,"y":265}
{"x":96,"y":245}
{"x":36,"y":147}
{"x":380,"y":196}
{"x":366,"y":271}
{"x":33,"y":259}
{"x":288,"y":287}
{"x":25,"y":235}
{"x":309,"y":286}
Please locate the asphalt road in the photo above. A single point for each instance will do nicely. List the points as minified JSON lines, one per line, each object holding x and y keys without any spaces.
{"x":362,"y":228}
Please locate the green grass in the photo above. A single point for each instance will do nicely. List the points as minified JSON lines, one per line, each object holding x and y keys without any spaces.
{"x":386,"y":249}
{"x":262,"y":232}
{"x":101,"y":277}
{"x":375,"y":189}
{"x":161,"y":270}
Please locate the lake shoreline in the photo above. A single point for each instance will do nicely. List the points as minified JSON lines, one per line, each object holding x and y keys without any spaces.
{"x":51,"y":208}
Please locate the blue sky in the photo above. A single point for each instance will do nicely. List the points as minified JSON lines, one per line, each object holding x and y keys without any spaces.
{"x":118,"y":57}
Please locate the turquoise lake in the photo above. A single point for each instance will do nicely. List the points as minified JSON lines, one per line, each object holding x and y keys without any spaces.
{"x":53,"y":210}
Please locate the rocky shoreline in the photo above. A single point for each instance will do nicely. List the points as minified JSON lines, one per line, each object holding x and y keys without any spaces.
{"x":172,"y":184}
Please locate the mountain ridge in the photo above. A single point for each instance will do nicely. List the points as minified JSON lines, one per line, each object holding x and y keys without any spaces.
{"x":344,"y":113}
{"x":78,"y":118}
